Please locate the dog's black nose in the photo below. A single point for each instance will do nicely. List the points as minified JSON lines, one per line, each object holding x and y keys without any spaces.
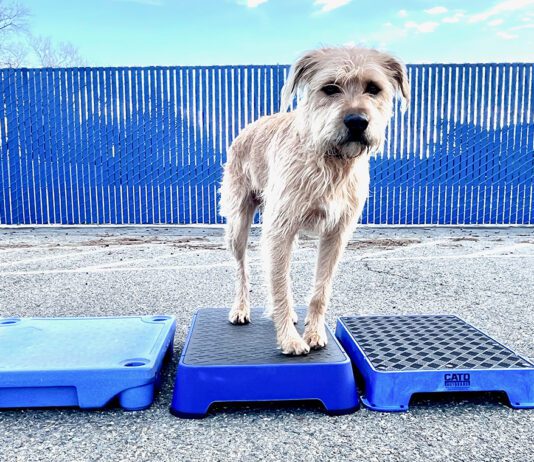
{"x":356,"y":123}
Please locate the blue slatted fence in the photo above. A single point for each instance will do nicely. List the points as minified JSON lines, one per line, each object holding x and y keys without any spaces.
{"x":146,"y":145}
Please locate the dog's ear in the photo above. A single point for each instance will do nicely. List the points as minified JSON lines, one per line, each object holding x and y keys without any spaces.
{"x":399,"y":75}
{"x":298,"y":77}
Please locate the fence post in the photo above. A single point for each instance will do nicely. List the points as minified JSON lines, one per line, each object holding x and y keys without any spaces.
{"x":13,"y":148}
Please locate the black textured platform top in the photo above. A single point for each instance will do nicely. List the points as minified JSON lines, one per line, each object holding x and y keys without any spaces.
{"x":214,"y":341}
{"x":404,"y":343}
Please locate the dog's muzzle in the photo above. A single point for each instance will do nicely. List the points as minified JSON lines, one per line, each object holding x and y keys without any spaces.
{"x":356,"y":125}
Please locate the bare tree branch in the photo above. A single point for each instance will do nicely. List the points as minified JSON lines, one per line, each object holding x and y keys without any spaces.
{"x":47,"y":54}
{"x":13,"y":54}
{"x":13,"y":17}
{"x":18,"y":47}
{"x":13,"y":24}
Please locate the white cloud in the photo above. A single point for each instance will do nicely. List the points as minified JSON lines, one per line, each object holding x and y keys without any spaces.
{"x":506,"y":35}
{"x":384,"y":36}
{"x":499,"y":8}
{"x":456,"y":17}
{"x":143,"y":2}
{"x":437,"y":10}
{"x":423,"y":27}
{"x":523,"y":26}
{"x":495,"y":22}
{"x":253,"y":3}
{"x":402,"y":13}
{"x":329,"y":5}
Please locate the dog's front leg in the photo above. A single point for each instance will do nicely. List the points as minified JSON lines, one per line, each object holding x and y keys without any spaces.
{"x":331,"y":247}
{"x":277,"y":242}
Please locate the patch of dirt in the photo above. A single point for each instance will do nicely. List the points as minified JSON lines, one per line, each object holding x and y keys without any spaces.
{"x":176,"y":242}
{"x":449,"y":245}
{"x":385,"y":244}
{"x":307,"y":237}
{"x":464,"y":238}
{"x":106,"y":242}
{"x":16,"y":245}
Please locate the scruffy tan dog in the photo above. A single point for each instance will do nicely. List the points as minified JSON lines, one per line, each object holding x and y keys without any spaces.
{"x":308,"y":169}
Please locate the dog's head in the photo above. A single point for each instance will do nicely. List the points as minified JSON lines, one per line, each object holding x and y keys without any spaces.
{"x":347,"y":98}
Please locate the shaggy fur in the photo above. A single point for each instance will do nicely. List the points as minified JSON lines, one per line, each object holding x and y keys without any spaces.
{"x":308,"y":170}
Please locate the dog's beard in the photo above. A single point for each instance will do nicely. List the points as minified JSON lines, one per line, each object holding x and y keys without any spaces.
{"x":337,"y":144}
{"x":348,"y":149}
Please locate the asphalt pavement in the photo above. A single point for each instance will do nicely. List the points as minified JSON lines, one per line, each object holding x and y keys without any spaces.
{"x":484,"y":275}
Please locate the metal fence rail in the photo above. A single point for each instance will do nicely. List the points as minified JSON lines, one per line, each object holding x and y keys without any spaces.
{"x":146,"y":145}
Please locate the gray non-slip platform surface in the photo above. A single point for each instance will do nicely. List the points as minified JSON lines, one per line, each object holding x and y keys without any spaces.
{"x":215,"y":341}
{"x":403,"y":343}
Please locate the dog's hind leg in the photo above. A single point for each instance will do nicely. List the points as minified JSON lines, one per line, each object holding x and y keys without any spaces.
{"x":277,"y":242}
{"x":237,"y":230}
{"x":331,"y":247}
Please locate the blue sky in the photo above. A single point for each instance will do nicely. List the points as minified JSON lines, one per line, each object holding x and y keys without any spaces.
{"x":190,"y":32}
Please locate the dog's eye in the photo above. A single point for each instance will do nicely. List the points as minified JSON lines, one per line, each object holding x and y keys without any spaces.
{"x":331,"y":89}
{"x":372,"y":88}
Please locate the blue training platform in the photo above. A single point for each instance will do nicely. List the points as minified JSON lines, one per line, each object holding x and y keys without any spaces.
{"x":221,"y":362}
{"x":398,"y":356}
{"x":83,"y":362}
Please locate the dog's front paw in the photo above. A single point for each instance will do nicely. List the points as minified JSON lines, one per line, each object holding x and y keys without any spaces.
{"x":239,"y":316}
{"x":315,"y":337}
{"x":294,"y":346}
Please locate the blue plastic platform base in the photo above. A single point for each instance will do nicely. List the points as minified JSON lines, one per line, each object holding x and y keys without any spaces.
{"x":83,"y":362}
{"x":398,"y":356}
{"x":221,"y":362}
